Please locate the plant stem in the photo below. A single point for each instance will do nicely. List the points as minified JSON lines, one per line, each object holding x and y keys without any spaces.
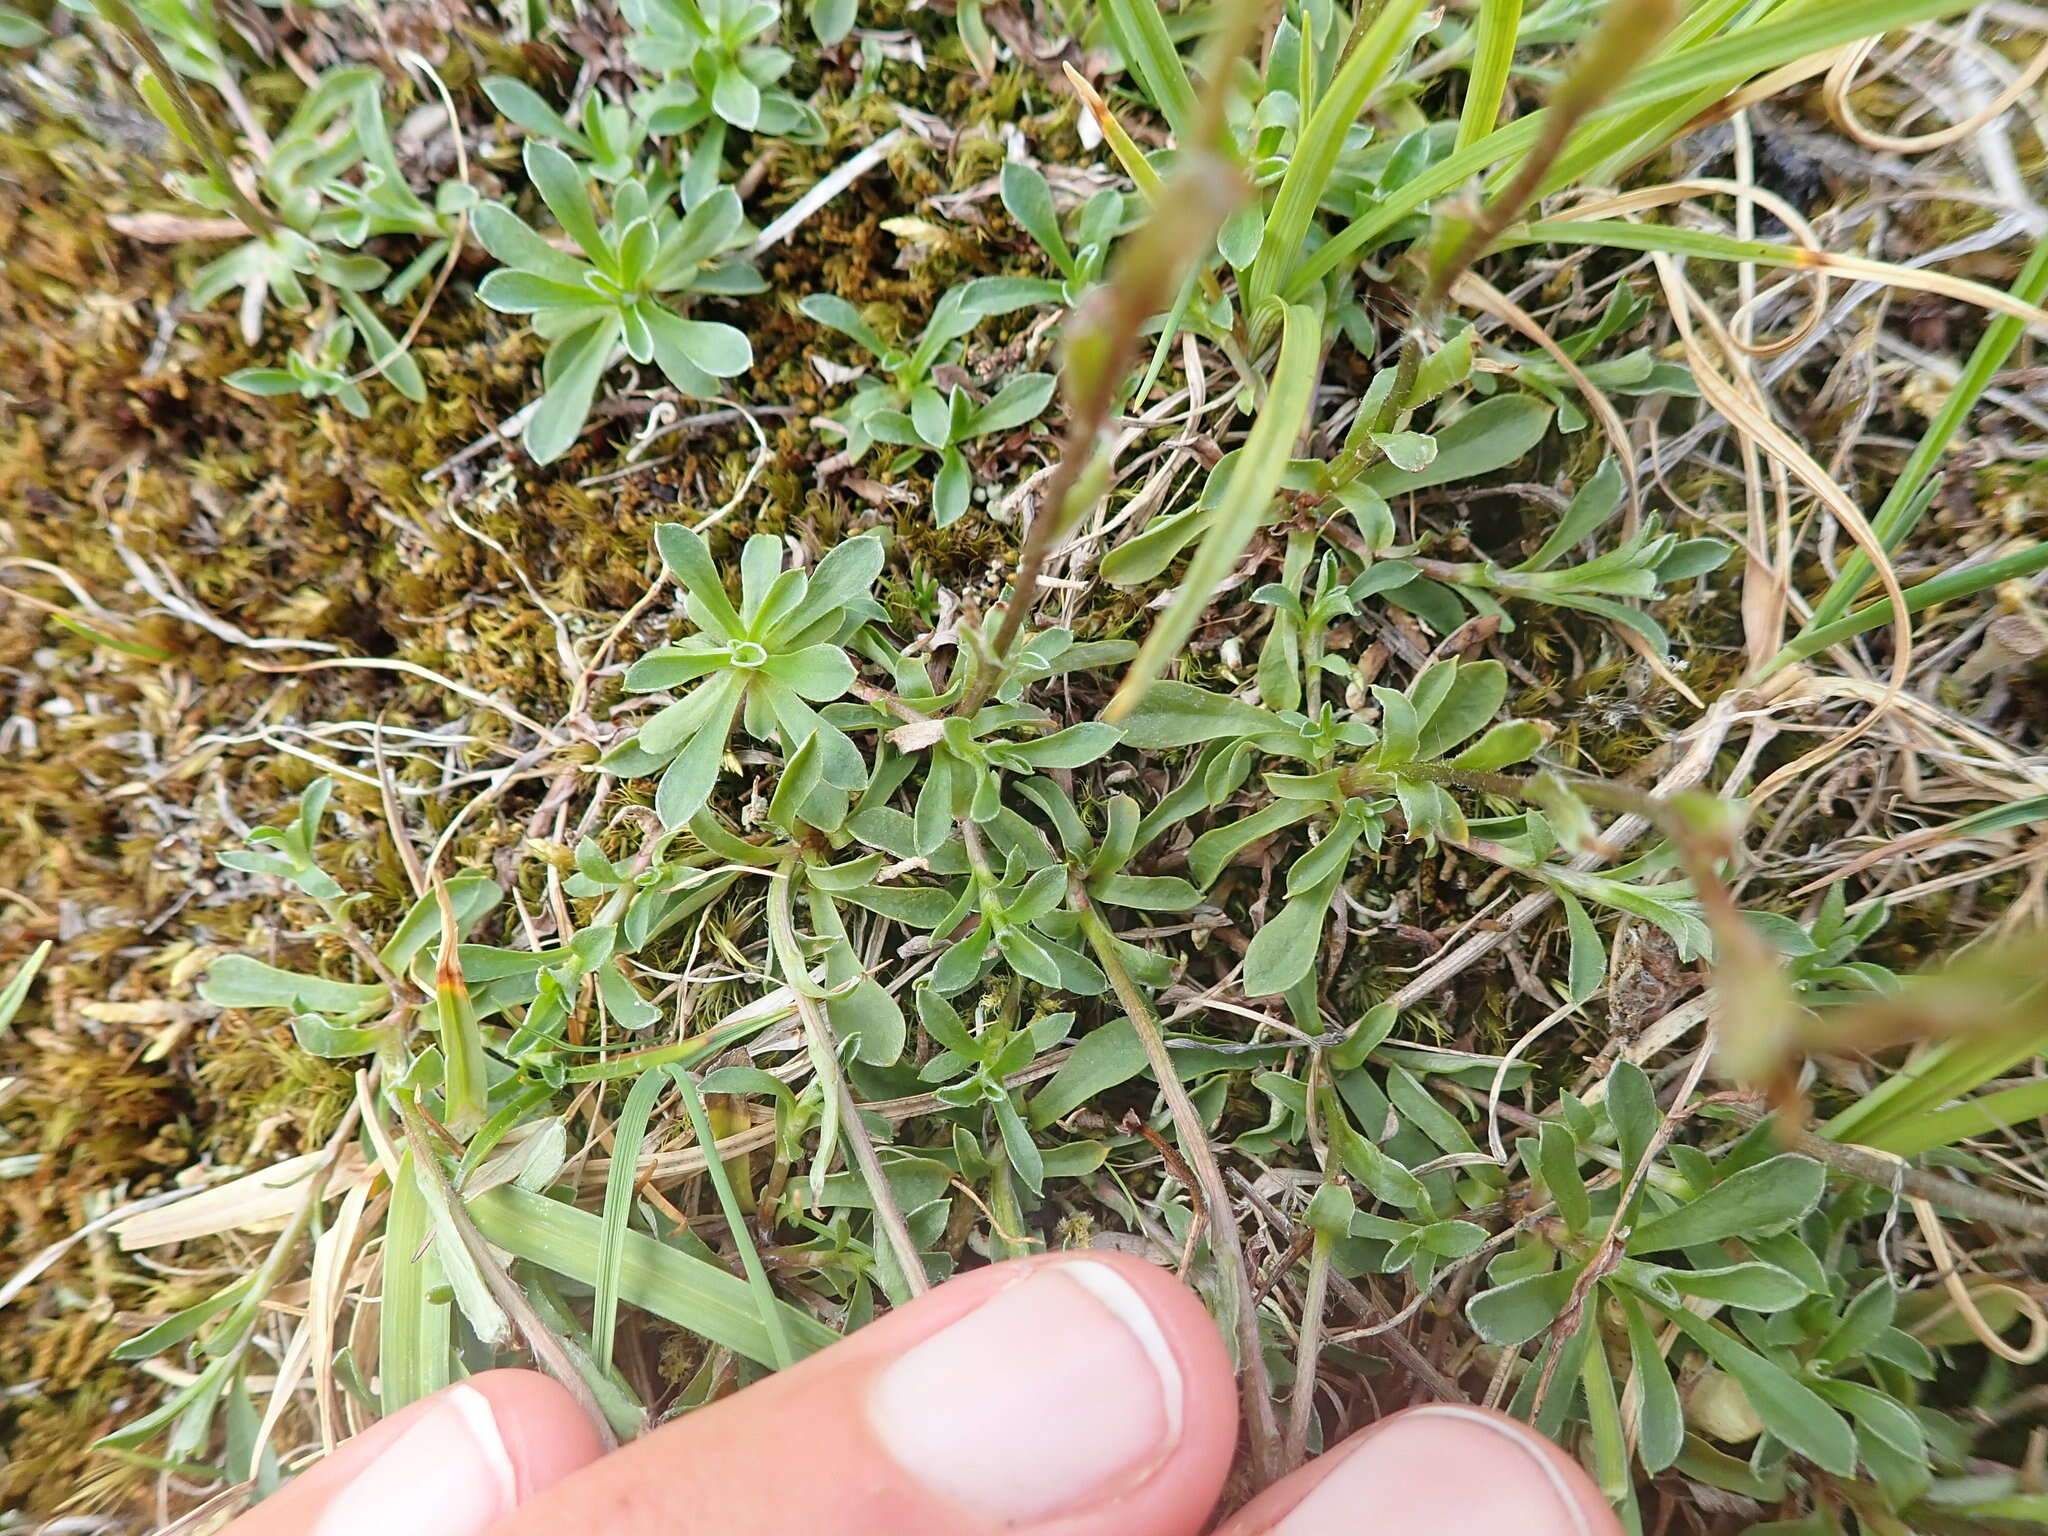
{"x":1224,"y":1239}
{"x":1628,"y":33}
{"x":549,"y":1352}
{"x":824,"y":1045}
{"x":1301,"y":1403}
{"x":1102,"y":339}
{"x":122,"y":16}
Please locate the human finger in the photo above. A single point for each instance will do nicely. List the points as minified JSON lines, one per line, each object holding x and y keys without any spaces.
{"x":452,"y":1464}
{"x":1076,"y":1394}
{"x":1441,"y":1470}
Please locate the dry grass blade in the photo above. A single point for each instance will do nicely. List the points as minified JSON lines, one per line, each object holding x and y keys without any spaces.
{"x":1603,"y":213}
{"x":1841,"y":83}
{"x":1777,"y":444}
{"x":259,"y":1201}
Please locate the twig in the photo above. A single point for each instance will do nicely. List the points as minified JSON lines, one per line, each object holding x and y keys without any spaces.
{"x":1966,"y":1200}
{"x":837,"y":181}
{"x":123,"y":16}
{"x":888,"y":1215}
{"x":1301,"y":1403}
{"x":825,"y":1057}
{"x":1363,"y":1306}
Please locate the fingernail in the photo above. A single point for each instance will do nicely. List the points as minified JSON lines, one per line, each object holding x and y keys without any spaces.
{"x":1442,"y":1471}
{"x":1039,"y":1400}
{"x":447,"y":1474}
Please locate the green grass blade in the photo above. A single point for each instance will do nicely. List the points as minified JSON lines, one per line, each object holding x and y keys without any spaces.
{"x":1673,"y":240}
{"x":735,"y":1219}
{"x":1320,"y":143}
{"x":1245,"y":503}
{"x":1985,"y":1116}
{"x":1716,"y":66}
{"x":415,"y":1333}
{"x":669,"y":1283}
{"x":628,"y":1131}
{"x":1624,"y":137}
{"x":2002,"y":818}
{"x":1493,"y":56}
{"x":15,"y":993}
{"x":1904,"y":506}
{"x":1139,"y":31}
{"x":1939,"y":1074}
{"x":1946,"y":588}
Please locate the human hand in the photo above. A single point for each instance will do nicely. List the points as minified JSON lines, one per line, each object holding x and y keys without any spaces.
{"x":1075,"y":1394}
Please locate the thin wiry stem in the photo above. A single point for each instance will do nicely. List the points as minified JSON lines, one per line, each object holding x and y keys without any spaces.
{"x":1888,"y":1172}
{"x":1628,"y":33}
{"x":1301,"y":1406}
{"x":825,"y":1055}
{"x":1224,"y":1240}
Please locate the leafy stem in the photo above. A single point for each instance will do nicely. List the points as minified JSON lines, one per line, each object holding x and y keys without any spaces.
{"x":196,"y":132}
{"x":549,"y":1351}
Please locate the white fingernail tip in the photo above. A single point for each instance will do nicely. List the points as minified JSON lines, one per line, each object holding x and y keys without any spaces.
{"x":1121,"y":1300}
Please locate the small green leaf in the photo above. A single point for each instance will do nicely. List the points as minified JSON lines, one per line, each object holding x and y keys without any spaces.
{"x":1074,"y":747}
{"x":1790,"y":1410}
{"x":1387,"y":1179}
{"x":238,"y":981}
{"x":560,"y":184}
{"x":1018,"y":1146}
{"x":720,"y":350}
{"x":1596,"y":502}
{"x":944,"y":1025}
{"x":1587,"y":966}
{"x":1102,"y":1059}
{"x":1473,"y":698}
{"x":1756,"y":1201}
{"x":1557,"y":1159}
{"x":689,"y":561}
{"x":1284,"y":950}
{"x":1632,"y":1107}
{"x":1146,"y":893}
{"x":1515,"y":1313}
{"x":952,"y":490}
{"x":1660,"y":1421}
{"x":322,"y":1037}
{"x":1181,"y":715}
{"x":1409,"y":451}
{"x":574,"y":366}
{"x":1502,"y":747}
{"x":1018,"y":402}
{"x":1490,"y":436}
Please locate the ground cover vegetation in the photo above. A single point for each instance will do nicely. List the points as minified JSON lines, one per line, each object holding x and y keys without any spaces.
{"x":676,"y":668}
